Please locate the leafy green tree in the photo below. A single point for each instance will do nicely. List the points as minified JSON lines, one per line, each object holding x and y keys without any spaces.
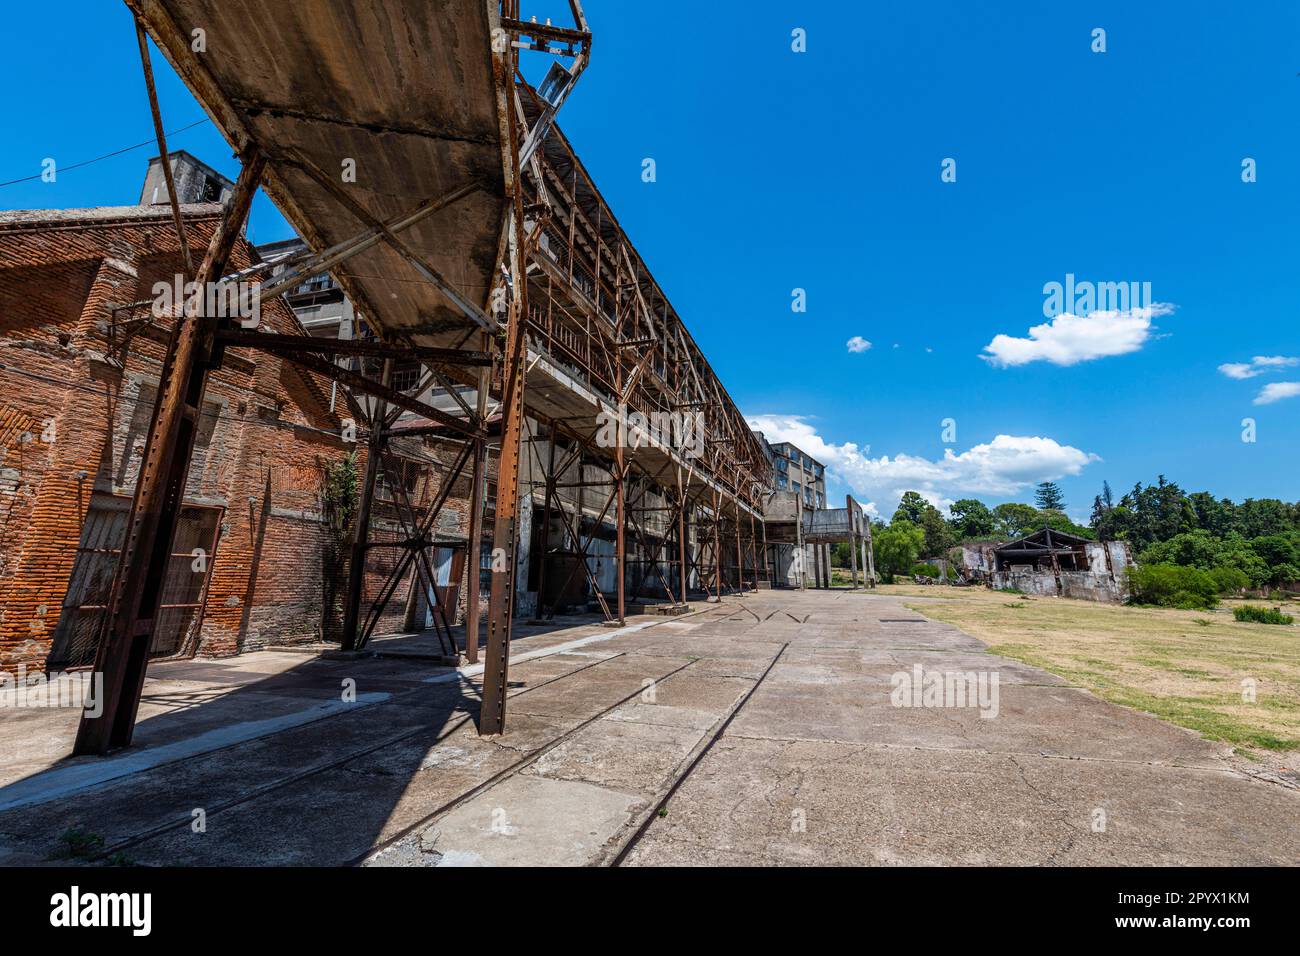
{"x":971,"y":518}
{"x":840,"y":556}
{"x":1049,"y":497}
{"x":1280,"y":554}
{"x":1058,"y":521}
{"x":914,"y":509}
{"x":896,"y":548}
{"x":1257,"y":517}
{"x":1012,"y":520}
{"x":1201,"y":549}
{"x":1216,"y":516}
{"x":938,"y":536}
{"x":911,"y":508}
{"x":1260,"y":537}
{"x":1193,"y":549}
{"x":1148,"y":514}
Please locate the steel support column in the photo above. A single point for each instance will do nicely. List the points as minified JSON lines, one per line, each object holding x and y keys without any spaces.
{"x":717,"y":546}
{"x":740,"y":555}
{"x":681,"y":540}
{"x":123,"y":653}
{"x":361,"y":533}
{"x":478,"y":496}
{"x":620,"y":522}
{"x":505,"y":534}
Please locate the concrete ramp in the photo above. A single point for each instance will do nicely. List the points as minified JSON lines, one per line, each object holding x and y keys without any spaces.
{"x":411,"y":93}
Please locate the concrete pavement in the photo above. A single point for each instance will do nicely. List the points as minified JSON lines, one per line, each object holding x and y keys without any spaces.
{"x":765,"y":730}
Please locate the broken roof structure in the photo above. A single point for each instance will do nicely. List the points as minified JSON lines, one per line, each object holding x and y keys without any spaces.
{"x":1051,"y":562}
{"x":1054,"y":547}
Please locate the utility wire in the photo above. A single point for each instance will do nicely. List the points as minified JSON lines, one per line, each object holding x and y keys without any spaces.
{"x":117,"y":152}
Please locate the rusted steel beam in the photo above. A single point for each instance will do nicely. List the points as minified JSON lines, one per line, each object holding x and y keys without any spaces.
{"x":123,"y":653}
{"x":361,"y":532}
{"x":620,"y":541}
{"x":421,"y":531}
{"x":492,"y":715}
{"x":399,"y":245}
{"x":505,"y":535}
{"x":681,"y":536}
{"x":717,"y":545}
{"x":327,"y":259}
{"x":360,"y":383}
{"x":478,"y":495}
{"x":270,"y":342}
{"x":142,"y":38}
{"x":443,"y":433}
{"x":575,"y":531}
{"x":740,"y":557}
{"x":545,"y":31}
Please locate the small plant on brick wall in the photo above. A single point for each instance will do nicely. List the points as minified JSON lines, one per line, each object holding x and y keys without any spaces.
{"x":338,"y":505}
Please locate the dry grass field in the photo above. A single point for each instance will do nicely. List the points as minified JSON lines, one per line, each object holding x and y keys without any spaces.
{"x":1191,"y":668}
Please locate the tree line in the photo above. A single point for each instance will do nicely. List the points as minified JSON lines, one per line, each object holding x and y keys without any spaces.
{"x":1254,"y":543}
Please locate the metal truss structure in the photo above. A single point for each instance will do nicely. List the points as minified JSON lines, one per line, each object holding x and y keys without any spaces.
{"x":606,"y":347}
{"x":473,"y":242}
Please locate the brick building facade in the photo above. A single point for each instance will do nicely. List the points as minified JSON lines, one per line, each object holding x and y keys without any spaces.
{"x":77,"y":384}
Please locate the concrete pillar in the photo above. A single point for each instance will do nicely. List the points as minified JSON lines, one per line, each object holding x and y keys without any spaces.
{"x":525,"y":600}
{"x":799,"y":556}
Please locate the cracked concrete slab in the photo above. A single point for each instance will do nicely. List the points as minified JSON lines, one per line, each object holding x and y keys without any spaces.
{"x":1061,"y":721}
{"x":780,"y":802}
{"x":525,"y":821}
{"x":620,"y":755}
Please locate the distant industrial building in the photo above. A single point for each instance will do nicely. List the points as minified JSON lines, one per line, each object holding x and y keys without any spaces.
{"x":800,"y":530}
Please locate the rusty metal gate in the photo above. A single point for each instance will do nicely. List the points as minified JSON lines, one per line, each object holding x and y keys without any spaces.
{"x":77,"y":636}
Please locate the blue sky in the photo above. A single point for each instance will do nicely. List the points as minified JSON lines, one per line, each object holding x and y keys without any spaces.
{"x":820,"y":170}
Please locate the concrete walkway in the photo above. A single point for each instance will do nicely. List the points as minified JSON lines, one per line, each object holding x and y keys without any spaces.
{"x":761,"y":731}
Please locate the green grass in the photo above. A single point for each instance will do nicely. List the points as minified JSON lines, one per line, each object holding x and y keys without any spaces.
{"x":1182,"y":666}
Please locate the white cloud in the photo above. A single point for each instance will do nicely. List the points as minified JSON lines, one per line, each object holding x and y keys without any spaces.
{"x":1005,"y":466}
{"x":1276,"y":391}
{"x":1069,"y":339}
{"x":858,"y":344}
{"x":1257,"y":366}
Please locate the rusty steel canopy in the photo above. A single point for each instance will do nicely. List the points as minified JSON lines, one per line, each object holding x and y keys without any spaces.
{"x":411,"y":93}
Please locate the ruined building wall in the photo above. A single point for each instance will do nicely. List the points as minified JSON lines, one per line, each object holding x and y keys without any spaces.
{"x":74,"y":419}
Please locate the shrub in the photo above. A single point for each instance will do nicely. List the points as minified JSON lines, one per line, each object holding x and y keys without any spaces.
{"x":79,"y":843}
{"x":1229,"y":580}
{"x":1172,"y":585}
{"x":926,"y":570}
{"x":1255,"y":614}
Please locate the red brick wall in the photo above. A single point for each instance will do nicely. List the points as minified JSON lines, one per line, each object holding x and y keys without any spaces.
{"x":72,"y":422}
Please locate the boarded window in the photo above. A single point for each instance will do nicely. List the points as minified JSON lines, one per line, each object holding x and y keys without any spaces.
{"x":86,"y":603}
